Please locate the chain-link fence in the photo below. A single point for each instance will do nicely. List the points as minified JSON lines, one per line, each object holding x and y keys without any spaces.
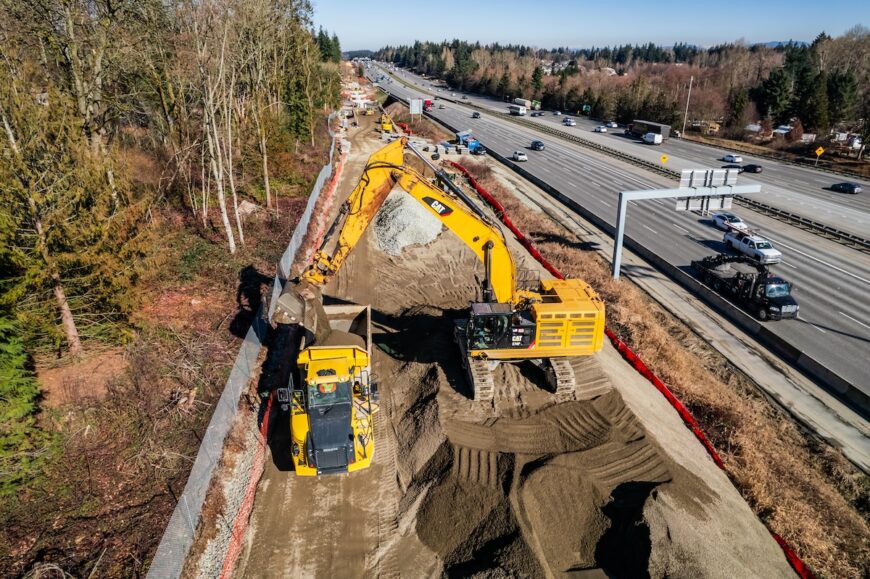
{"x":169,"y":560}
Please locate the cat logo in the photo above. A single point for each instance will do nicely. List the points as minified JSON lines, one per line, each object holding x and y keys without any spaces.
{"x":438,"y":207}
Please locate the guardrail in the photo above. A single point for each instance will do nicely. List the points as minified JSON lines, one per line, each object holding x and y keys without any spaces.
{"x":787,"y":158}
{"x":832,"y":233}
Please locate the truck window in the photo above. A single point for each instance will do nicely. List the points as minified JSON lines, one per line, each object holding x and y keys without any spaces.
{"x":777,"y":290}
{"x":764,"y":245}
{"x":328,"y":393}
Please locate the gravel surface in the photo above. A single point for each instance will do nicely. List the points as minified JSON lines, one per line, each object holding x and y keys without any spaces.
{"x":402,"y":221}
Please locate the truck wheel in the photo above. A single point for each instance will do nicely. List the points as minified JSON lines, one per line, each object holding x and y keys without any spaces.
{"x":762,"y":314}
{"x":717,"y":284}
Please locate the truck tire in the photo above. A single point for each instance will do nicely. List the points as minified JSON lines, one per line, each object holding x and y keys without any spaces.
{"x":762,"y":314}
{"x":717,"y":284}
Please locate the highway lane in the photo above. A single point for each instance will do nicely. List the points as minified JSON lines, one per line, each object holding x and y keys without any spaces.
{"x":801,"y":190}
{"x":832,"y":282}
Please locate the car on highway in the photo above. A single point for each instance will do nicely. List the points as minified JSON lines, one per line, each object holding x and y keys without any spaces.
{"x":557,"y":113}
{"x":752,"y":169}
{"x":852,"y":188}
{"x":475,"y":115}
{"x":537,"y":114}
{"x":569,"y":122}
{"x":538,"y":145}
{"x":441,"y":106}
{"x":732,"y":158}
{"x":733,"y":166}
{"x":519,"y":156}
{"x":611,"y":125}
{"x":465,"y":97}
{"x":755,"y":246}
{"x":600,"y":129}
{"x":728,"y":221}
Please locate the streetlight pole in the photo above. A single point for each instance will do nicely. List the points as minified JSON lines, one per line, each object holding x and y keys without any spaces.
{"x":688,"y":96}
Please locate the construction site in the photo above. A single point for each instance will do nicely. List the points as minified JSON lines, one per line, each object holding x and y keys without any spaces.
{"x":589,"y":475}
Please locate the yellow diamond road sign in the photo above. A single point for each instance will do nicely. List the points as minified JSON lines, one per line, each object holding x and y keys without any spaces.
{"x":819,"y":152}
{"x":664,"y":158}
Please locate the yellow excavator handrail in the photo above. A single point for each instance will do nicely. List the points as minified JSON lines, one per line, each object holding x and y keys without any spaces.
{"x":385,"y":169}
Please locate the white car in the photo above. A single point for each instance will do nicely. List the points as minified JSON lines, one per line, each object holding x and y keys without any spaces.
{"x":569,"y":122}
{"x":611,"y":125}
{"x":728,"y":221}
{"x":520,"y":156}
{"x":732,"y":158}
{"x":557,"y":113}
{"x":600,"y":129}
{"x":754,"y":246}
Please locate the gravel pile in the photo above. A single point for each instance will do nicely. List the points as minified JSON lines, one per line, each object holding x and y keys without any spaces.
{"x":402,"y":221}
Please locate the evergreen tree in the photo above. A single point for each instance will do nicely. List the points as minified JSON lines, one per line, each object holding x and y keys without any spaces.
{"x":737,"y":101}
{"x":842,"y":96}
{"x":23,"y":445}
{"x":538,"y":79}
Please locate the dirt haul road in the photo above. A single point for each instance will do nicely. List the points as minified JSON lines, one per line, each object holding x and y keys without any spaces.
{"x":611,"y":480}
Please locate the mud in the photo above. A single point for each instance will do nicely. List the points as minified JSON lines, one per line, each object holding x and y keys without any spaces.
{"x":608,"y":484}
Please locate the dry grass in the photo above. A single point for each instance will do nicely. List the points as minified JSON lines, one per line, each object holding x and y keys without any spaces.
{"x":805,"y":491}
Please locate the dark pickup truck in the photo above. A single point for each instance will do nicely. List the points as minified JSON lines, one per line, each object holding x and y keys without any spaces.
{"x":750,"y":283}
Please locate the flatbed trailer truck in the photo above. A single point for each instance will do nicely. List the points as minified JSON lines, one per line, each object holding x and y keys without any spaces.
{"x":751,"y":284}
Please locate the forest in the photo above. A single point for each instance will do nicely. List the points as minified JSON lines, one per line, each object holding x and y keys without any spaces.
{"x":822,"y":84}
{"x":120,"y":120}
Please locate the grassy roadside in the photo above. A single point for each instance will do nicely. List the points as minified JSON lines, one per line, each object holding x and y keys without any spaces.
{"x":800,"y":488}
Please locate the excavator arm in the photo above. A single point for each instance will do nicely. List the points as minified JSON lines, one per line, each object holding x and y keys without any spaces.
{"x":385,"y":169}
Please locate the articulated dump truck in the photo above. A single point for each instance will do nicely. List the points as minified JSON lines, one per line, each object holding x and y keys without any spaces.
{"x":332,"y":399}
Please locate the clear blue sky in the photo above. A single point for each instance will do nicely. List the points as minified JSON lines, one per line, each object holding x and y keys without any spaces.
{"x":578,"y":24}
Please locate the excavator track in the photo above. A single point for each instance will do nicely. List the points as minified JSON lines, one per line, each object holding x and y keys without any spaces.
{"x":481,"y":379}
{"x":566,"y":382}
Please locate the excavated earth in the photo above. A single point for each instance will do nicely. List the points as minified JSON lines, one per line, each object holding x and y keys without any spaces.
{"x":608,"y":484}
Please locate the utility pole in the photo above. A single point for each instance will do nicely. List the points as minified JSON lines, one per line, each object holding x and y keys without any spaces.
{"x":688,"y":96}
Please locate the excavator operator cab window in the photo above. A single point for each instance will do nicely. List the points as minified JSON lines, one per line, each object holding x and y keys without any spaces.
{"x":489,"y":331}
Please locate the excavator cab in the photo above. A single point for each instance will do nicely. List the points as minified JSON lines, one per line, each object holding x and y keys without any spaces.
{"x":498,"y":326}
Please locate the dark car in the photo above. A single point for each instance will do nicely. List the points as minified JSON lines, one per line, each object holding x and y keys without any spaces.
{"x":475,"y":115}
{"x":852,"y":188}
{"x":738,"y":167}
{"x":537,"y":114}
{"x":752,"y":168}
{"x":538,"y":145}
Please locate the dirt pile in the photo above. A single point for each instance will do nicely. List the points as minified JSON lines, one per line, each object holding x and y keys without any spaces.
{"x":401,"y":222}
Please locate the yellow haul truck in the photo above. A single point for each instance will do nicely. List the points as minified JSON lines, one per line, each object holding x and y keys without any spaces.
{"x":332,"y":403}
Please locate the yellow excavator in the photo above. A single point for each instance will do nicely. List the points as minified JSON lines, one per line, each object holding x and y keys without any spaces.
{"x":386,"y":123}
{"x":548,"y":325}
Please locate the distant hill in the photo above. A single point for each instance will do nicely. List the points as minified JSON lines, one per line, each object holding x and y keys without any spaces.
{"x":778,"y":43}
{"x":351,"y":54}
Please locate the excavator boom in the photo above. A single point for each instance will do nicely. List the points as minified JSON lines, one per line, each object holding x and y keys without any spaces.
{"x":386,"y":169}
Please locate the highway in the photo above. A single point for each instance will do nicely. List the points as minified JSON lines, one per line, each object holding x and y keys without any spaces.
{"x":802,"y":190}
{"x":832,"y":282}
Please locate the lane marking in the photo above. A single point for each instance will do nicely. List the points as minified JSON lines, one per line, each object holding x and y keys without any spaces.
{"x":606,"y":203}
{"x":854,"y":320}
{"x":650,"y":228}
{"x":832,"y":266}
{"x":818,"y":328}
{"x":680,"y":228}
{"x":788,"y":264}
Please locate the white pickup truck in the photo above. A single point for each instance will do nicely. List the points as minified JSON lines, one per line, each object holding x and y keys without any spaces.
{"x":754,"y":246}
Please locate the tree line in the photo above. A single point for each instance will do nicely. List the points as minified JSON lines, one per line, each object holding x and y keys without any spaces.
{"x":821,"y":84}
{"x":111,"y":109}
